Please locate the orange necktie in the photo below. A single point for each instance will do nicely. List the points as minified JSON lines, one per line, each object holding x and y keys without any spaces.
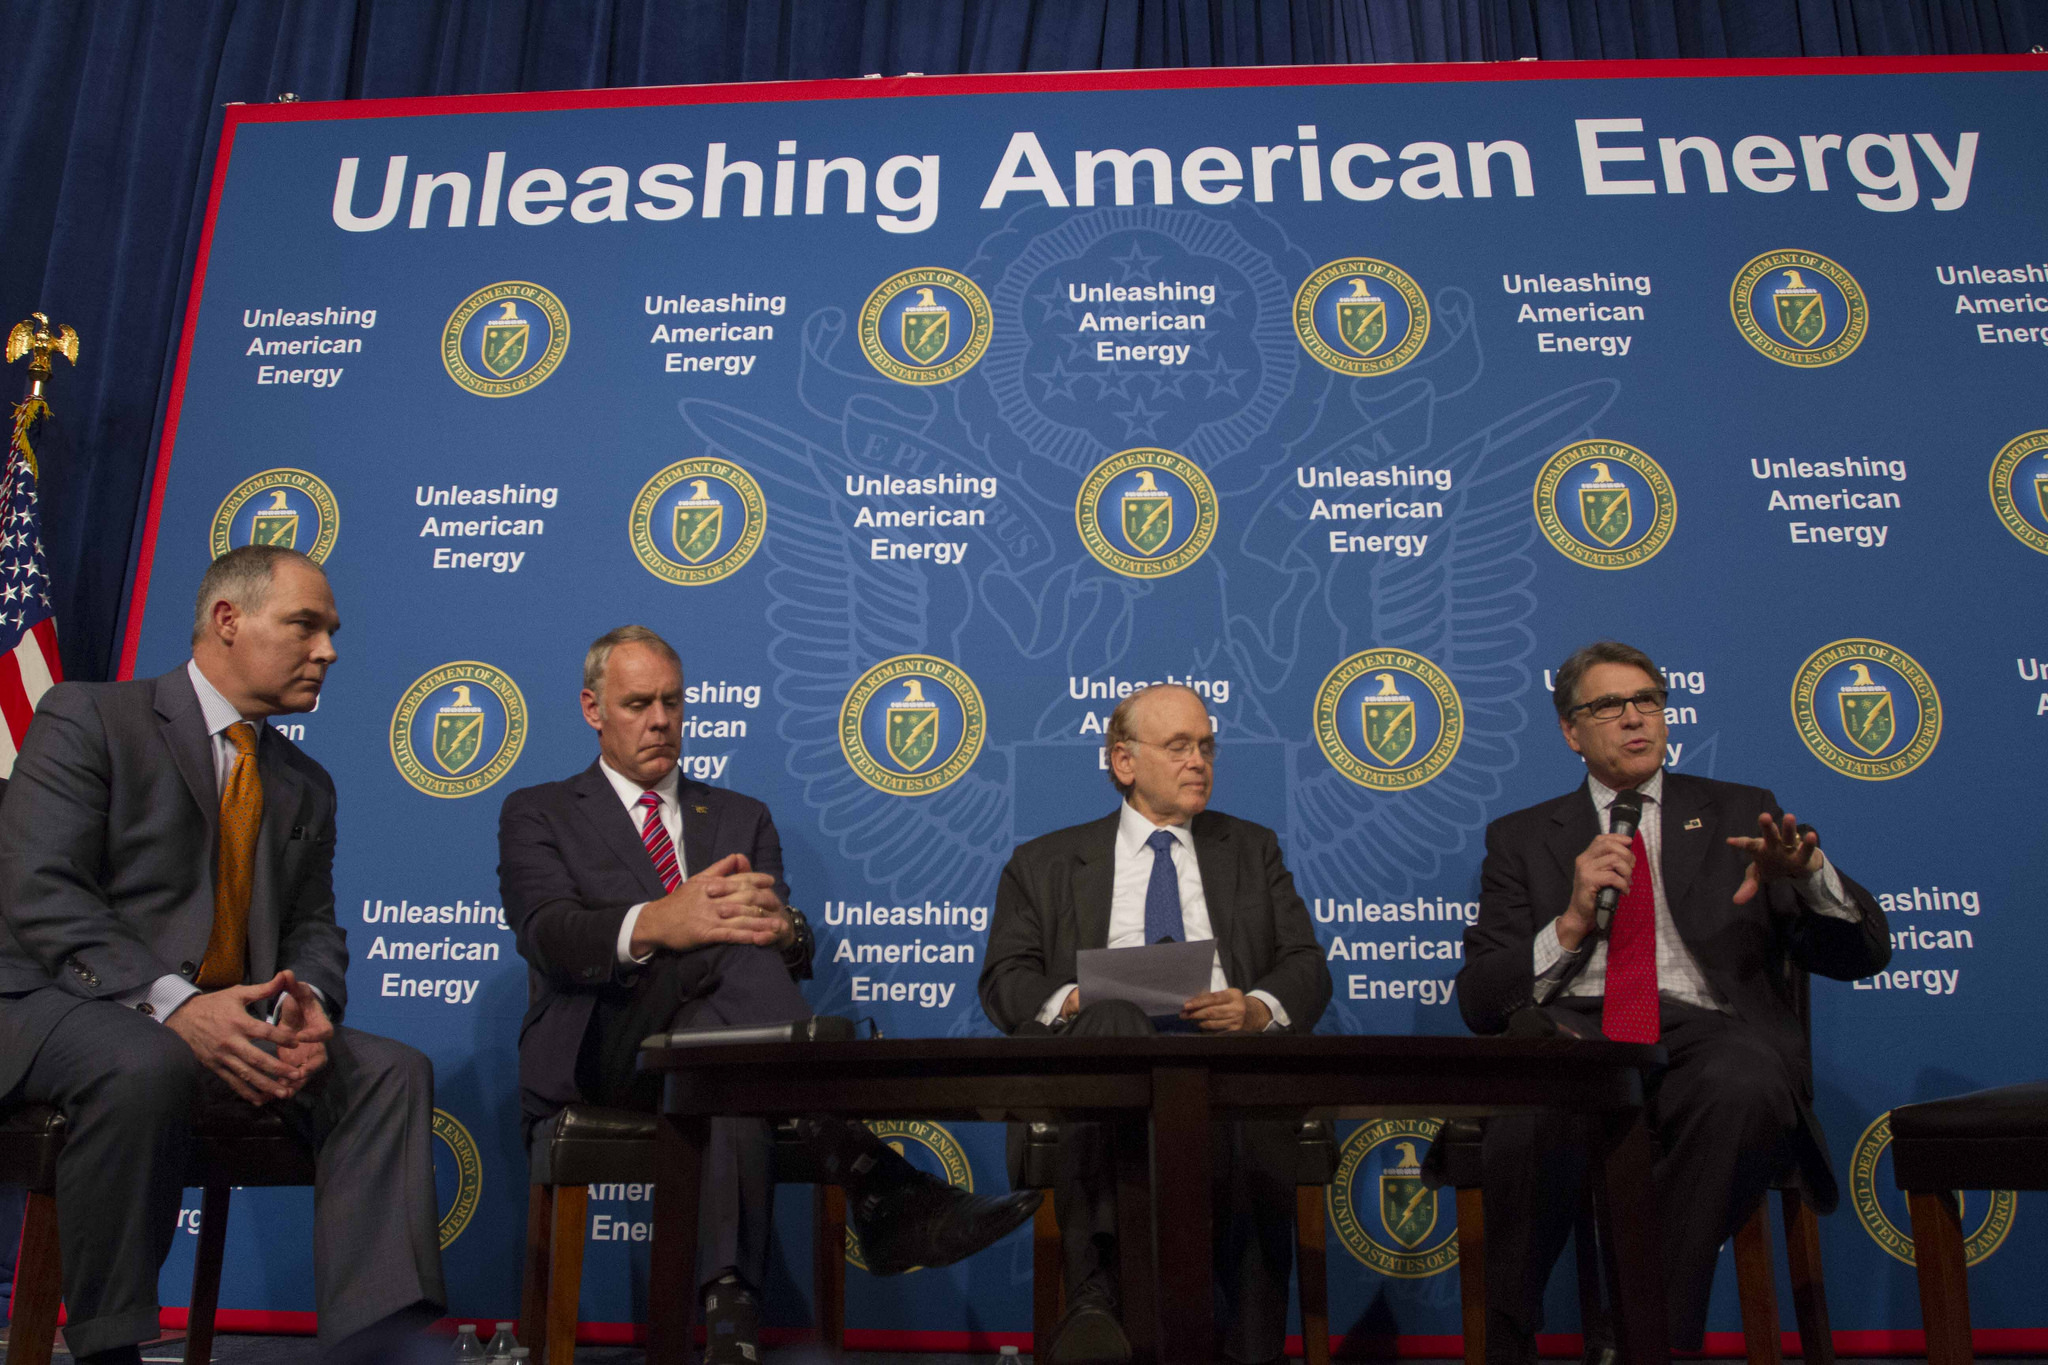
{"x":241,"y":815}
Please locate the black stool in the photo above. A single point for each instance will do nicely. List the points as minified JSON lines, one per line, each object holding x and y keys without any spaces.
{"x":587,"y":1145}
{"x":1986,"y":1140}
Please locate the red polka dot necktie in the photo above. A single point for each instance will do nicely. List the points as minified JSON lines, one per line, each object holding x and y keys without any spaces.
{"x":226,"y":960}
{"x":654,"y":836}
{"x":1629,"y":1012}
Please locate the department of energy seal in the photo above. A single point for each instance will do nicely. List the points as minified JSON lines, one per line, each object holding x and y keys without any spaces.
{"x":505,"y":338}
{"x":458,"y":729}
{"x":1867,"y":710}
{"x":1897,"y":1242}
{"x":928,"y":1146}
{"x":697,"y":521}
{"x":925,"y":326}
{"x":467,"y":1169}
{"x":1388,"y":719}
{"x":1799,"y":308}
{"x":912,"y":724}
{"x":1383,"y":1213}
{"x":1605,"y":505}
{"x":1146,"y":513}
{"x":288,"y":508}
{"x":2019,"y":489}
{"x":1362,"y":317}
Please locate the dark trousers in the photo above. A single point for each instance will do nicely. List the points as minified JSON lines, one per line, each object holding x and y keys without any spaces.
{"x":1724,"y":1114}
{"x":128,"y":1086}
{"x":704,"y":988}
{"x":1252,"y":1166}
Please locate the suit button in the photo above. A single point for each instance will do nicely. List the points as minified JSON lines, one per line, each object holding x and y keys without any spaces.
{"x":146,"y":1008}
{"x":187,"y":968}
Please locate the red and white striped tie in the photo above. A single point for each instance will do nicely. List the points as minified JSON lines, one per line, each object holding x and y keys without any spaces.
{"x":1629,"y":1012}
{"x":654,"y":837}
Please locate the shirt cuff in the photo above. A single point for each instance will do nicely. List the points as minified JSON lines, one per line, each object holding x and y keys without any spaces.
{"x":626,"y":927}
{"x":1056,"y":1002}
{"x":160,"y":998}
{"x":1280,"y":1019}
{"x":1820,"y":891}
{"x":1551,"y":952}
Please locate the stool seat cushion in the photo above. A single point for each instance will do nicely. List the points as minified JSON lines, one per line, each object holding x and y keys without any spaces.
{"x":1988,"y":1139}
{"x":31,"y":1135}
{"x":590,"y":1144}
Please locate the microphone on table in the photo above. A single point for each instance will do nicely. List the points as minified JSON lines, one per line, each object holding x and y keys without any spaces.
{"x":1622,"y":819}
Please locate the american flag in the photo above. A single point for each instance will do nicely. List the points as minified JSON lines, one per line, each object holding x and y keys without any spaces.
{"x":28,"y":624}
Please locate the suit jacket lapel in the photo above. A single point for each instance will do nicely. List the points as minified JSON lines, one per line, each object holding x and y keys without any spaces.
{"x":700,"y":824}
{"x":1684,"y":849}
{"x":1095,"y":882}
{"x":1574,"y":823}
{"x":282,"y":791}
{"x":599,"y":805}
{"x":183,"y":727}
{"x":1216,"y":860}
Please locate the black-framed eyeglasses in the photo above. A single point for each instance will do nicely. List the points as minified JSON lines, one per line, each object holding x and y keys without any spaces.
{"x":1181,"y":750}
{"x":1648,"y":702}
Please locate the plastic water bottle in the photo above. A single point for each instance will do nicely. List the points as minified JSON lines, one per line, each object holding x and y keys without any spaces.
{"x":520,"y":1354}
{"x":467,"y":1347}
{"x":502,"y":1344}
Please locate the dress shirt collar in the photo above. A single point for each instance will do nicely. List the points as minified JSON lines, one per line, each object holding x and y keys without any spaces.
{"x":218,"y":712}
{"x":629,"y":791}
{"x":1133,"y":829}
{"x":1651,"y":790}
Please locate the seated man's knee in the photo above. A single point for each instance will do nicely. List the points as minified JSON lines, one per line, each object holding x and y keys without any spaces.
{"x":1111,"y":1019}
{"x":381,"y":1062}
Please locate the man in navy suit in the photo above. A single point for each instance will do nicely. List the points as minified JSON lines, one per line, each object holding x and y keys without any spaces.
{"x":644,"y":902}
{"x":1720,"y":893}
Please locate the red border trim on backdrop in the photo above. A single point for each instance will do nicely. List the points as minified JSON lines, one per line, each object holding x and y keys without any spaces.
{"x":1718,"y":1346}
{"x":891,"y":87}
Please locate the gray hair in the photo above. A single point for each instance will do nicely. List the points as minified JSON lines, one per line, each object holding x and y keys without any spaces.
{"x":242,"y":578}
{"x":599,"y":656}
{"x":1564,"y":693}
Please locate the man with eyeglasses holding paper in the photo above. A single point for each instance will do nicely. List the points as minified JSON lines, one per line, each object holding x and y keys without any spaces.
{"x":1163,"y":866}
{"x":1708,"y":900}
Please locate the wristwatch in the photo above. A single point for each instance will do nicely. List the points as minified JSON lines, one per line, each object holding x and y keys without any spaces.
{"x":796,"y":955}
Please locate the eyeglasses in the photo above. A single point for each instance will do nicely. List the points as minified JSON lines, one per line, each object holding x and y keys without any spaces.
{"x":1181,"y":750}
{"x":1648,"y":702}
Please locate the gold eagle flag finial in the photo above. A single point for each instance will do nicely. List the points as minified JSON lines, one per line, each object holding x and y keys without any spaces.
{"x":33,"y":337}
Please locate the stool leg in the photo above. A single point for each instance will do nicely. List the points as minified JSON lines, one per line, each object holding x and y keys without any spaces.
{"x":1756,"y":1286}
{"x":213,"y":1246}
{"x":1048,"y":1276}
{"x":1809,"y":1290}
{"x":533,"y":1286}
{"x":565,"y":1271}
{"x":828,"y":1266}
{"x":1472,"y":1272}
{"x":1312,"y":1271}
{"x":1944,"y":1288}
{"x":38,"y":1284}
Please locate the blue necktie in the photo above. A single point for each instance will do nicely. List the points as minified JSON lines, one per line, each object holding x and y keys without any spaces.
{"x":1162,"y":897}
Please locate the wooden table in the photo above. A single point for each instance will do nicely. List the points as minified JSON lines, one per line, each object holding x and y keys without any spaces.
{"x":1171,"y":1088}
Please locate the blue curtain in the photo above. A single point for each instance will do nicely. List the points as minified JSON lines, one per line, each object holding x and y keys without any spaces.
{"x":113,"y":111}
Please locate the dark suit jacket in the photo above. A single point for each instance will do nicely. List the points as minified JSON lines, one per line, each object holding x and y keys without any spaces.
{"x":570,"y":864}
{"x":1744,"y":950}
{"x":1054,"y":896}
{"x":107,"y":844}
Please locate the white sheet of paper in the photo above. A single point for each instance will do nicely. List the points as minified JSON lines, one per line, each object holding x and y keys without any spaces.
{"x":1158,"y":977}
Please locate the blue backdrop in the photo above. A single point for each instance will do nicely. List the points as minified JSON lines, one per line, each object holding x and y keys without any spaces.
{"x":927,"y":417}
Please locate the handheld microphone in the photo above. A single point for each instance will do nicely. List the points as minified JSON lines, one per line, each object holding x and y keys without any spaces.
{"x":1626,"y":814}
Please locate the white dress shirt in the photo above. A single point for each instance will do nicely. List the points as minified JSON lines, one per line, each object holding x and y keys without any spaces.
{"x":1131,"y":880}
{"x":1678,"y":972}
{"x":629,"y":793}
{"x":167,"y":992}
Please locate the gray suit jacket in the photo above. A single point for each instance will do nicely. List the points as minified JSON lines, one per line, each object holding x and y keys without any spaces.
{"x":107,"y":841}
{"x":1054,"y":897}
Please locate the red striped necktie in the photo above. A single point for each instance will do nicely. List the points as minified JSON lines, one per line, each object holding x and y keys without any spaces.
{"x":654,"y":837}
{"x":1628,"y":1014}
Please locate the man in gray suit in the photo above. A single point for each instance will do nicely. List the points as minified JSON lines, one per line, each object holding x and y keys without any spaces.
{"x":167,"y":897}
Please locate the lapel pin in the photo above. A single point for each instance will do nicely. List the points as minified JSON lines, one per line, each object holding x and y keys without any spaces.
{"x":701,"y":810}
{"x":1693,"y":823}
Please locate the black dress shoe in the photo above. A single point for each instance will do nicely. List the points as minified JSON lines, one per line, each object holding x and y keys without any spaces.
{"x":926,"y":1222}
{"x":1089,"y":1334}
{"x":732,"y":1324}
